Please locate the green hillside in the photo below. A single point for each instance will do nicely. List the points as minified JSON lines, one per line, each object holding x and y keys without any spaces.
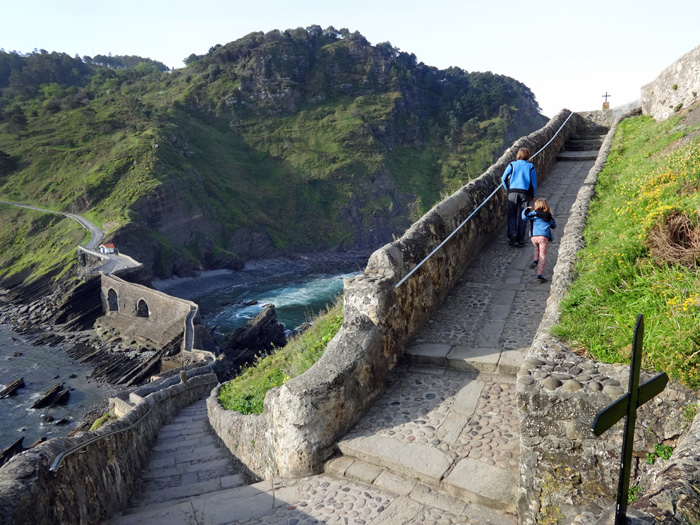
{"x":642,"y":251}
{"x":292,"y":141}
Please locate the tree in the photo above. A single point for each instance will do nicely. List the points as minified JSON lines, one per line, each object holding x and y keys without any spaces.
{"x":7,"y":163}
{"x":16,"y":120}
{"x":191,"y":59}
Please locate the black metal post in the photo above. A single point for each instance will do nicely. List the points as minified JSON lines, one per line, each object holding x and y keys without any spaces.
{"x":628,"y":440}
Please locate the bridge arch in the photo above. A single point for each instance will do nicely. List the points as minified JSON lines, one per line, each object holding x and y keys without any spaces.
{"x":112,"y":300}
{"x":142,"y":309}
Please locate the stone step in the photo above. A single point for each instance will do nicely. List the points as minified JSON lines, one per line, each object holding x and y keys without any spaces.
{"x":172,"y":495}
{"x":576,"y":156}
{"x":222,"y":465}
{"x":470,"y":482}
{"x":488,"y":360}
{"x":582,"y":146}
{"x":224,"y":506}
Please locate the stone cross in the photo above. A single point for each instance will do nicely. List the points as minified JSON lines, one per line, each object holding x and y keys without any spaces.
{"x":627,"y":405}
{"x":606,"y":104}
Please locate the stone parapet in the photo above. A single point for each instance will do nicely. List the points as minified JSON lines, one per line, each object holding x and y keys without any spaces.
{"x":303,"y":419}
{"x":163,"y":319}
{"x":90,"y":486}
{"x":565,"y":470}
{"x":676,"y":87}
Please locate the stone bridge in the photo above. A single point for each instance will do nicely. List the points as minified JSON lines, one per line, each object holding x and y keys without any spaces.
{"x":145,"y":314}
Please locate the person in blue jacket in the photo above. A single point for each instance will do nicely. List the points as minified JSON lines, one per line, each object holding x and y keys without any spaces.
{"x":540,"y":233}
{"x":520,"y":179}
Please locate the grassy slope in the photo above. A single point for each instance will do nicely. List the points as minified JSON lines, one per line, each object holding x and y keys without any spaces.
{"x":651,"y":173}
{"x":246,"y":393}
{"x":37,"y":242}
{"x":102,"y":146}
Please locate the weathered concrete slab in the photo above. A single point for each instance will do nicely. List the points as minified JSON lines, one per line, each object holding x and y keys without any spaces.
{"x":452,"y":427}
{"x":401,"y":510}
{"x":428,"y":353}
{"x":395,"y":483}
{"x":412,"y":460}
{"x":511,"y":360}
{"x":363,"y":471}
{"x":467,"y":398}
{"x":484,"y":484}
{"x":337,"y":466}
{"x":429,"y":496}
{"x":481,"y":359}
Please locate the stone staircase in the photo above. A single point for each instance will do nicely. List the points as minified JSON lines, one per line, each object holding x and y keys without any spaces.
{"x":446,"y":431}
{"x":582,"y":147}
{"x":187,"y":465}
{"x":440,"y":445}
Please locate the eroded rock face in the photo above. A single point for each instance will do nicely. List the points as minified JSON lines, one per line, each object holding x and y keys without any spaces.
{"x":676,"y":87}
{"x":261,"y":334}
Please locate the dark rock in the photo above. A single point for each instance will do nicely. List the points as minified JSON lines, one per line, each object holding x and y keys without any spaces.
{"x":47,"y":419}
{"x":53,"y":396}
{"x":11,"y":389}
{"x":10,"y":451}
{"x":261,"y":334}
{"x":63,"y":421}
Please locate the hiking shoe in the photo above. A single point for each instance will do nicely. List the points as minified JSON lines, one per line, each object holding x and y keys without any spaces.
{"x":533,"y":264}
{"x":521,"y":244}
{"x":541,"y":278}
{"x":511,"y":240}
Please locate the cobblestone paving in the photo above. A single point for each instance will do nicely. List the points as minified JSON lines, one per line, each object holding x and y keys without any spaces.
{"x":524,"y":318}
{"x":415,"y":406}
{"x":492,"y":434}
{"x":459,"y":320}
{"x":323,"y":499}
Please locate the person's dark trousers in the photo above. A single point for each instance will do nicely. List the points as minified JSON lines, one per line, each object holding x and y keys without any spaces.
{"x":517,"y":202}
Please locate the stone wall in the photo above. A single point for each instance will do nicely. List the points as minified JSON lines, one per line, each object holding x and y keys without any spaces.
{"x":304,"y":418}
{"x":564,"y":469}
{"x":607,"y":117}
{"x":92,"y":485}
{"x":161,"y":319}
{"x":676,"y":86}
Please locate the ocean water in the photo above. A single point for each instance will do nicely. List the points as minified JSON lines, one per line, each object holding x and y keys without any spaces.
{"x":41,"y":367}
{"x":222,"y":294}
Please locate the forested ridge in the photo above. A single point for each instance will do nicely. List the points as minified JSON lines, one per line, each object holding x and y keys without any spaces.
{"x":279,"y":142}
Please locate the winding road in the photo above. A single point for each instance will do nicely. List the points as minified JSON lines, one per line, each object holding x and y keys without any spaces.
{"x":113,"y":262}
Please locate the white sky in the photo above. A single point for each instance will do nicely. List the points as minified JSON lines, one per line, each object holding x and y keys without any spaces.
{"x":569,"y":53}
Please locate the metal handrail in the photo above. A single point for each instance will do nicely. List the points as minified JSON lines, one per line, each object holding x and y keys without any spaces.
{"x":59,"y":459}
{"x":476,"y":210}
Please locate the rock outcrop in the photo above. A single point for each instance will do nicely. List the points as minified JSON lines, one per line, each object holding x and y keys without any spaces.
{"x":261,"y":334}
